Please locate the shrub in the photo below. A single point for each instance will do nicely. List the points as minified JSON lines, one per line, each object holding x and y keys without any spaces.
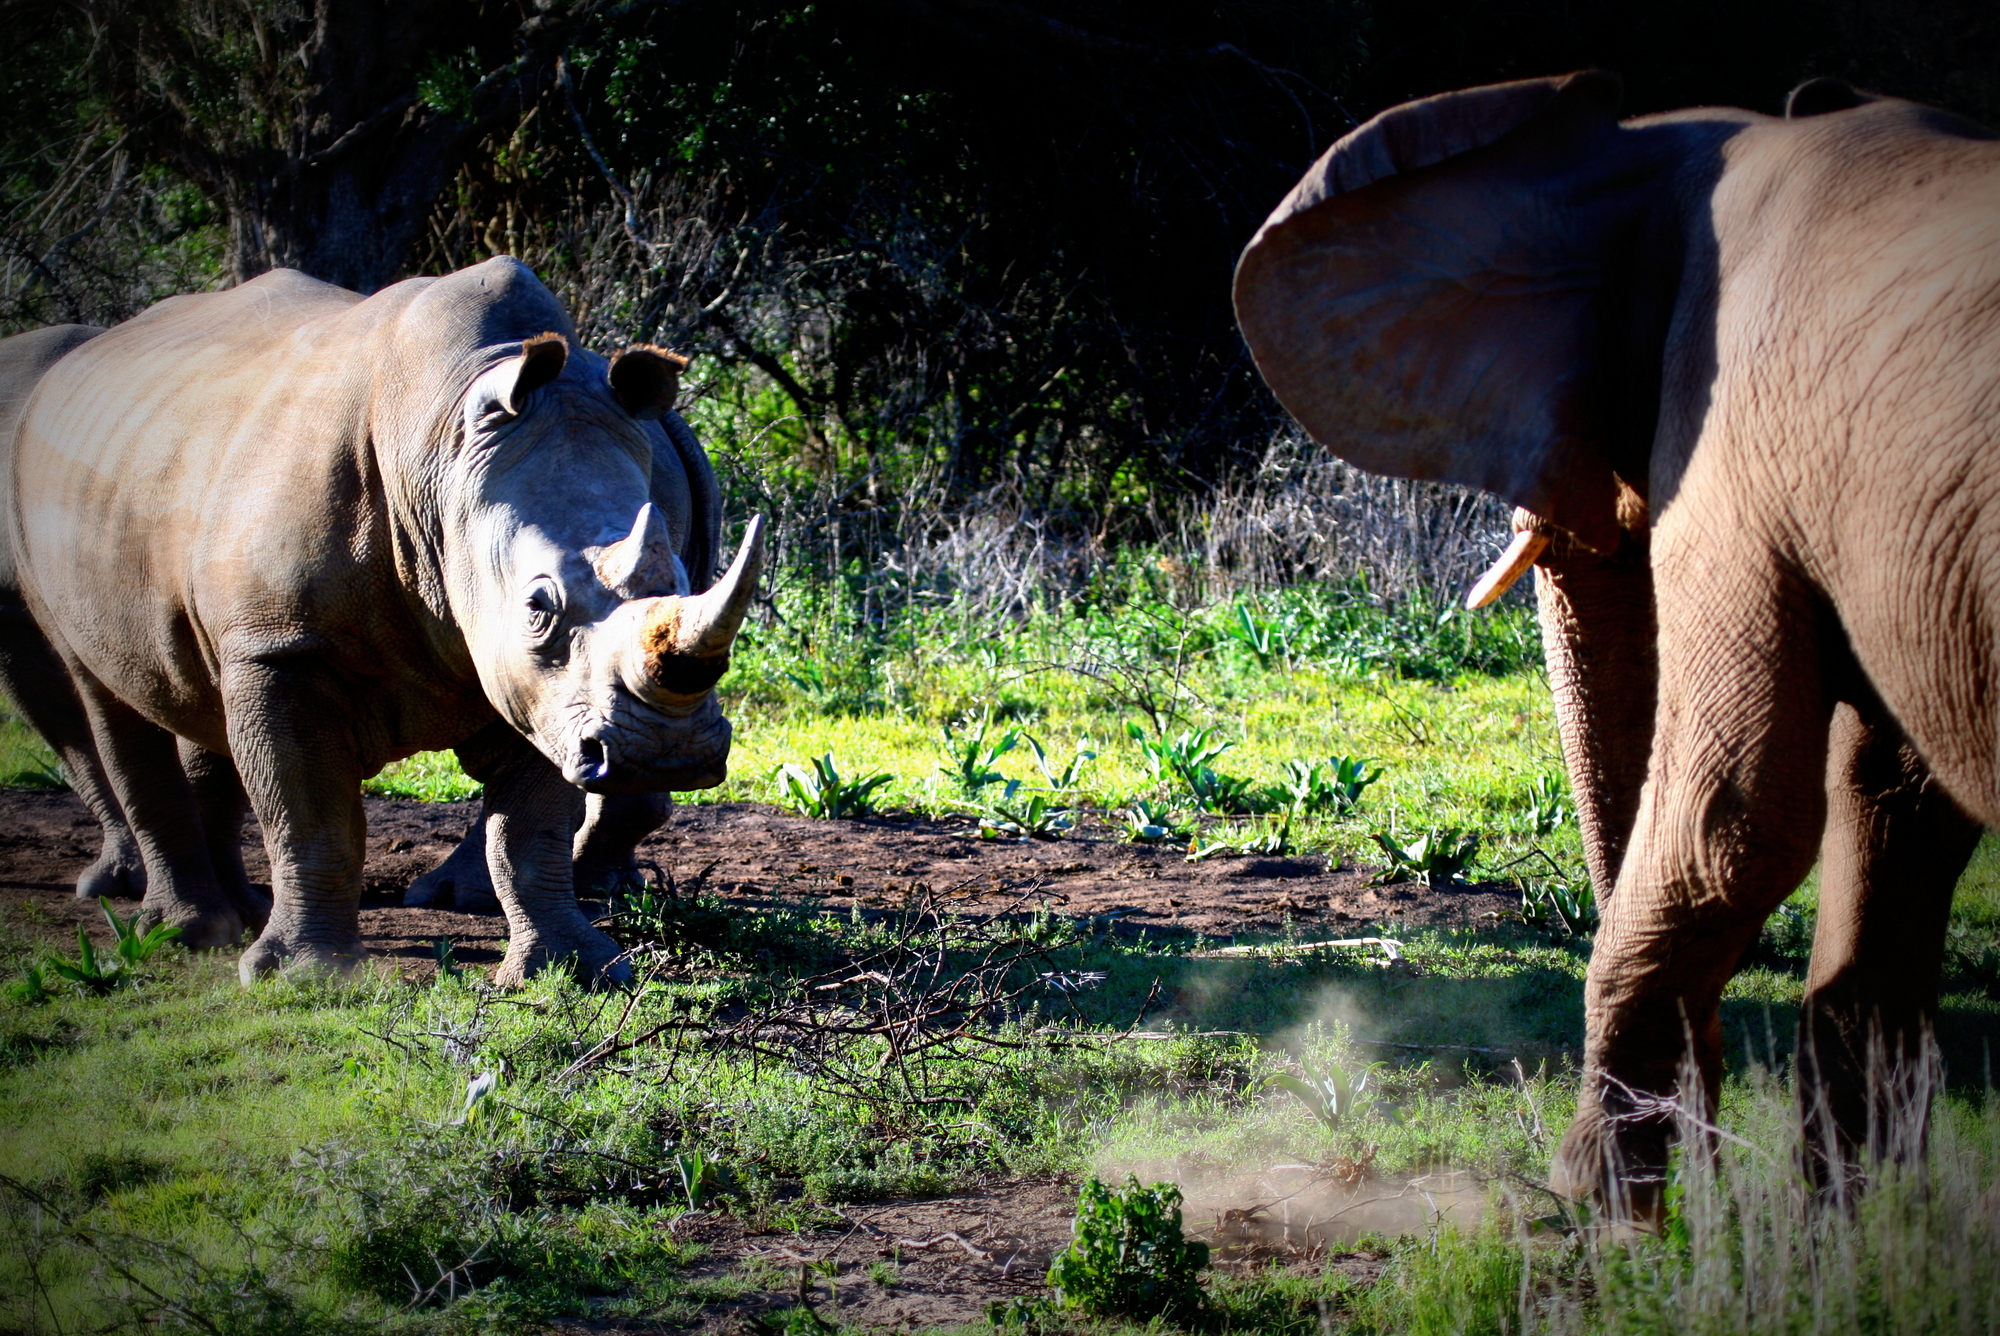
{"x":1128,"y":1257}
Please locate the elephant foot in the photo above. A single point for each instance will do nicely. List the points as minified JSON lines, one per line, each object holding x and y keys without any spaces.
{"x":594,"y":958}
{"x":273,"y":951}
{"x":461,"y":882}
{"x":1615,"y":1163}
{"x":207,"y":923}
{"x":117,"y":874}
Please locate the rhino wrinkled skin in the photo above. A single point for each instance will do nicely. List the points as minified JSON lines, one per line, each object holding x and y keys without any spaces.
{"x":308,"y":534}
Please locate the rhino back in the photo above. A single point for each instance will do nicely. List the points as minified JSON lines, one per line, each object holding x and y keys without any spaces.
{"x":214,"y":480}
{"x":24,"y":359}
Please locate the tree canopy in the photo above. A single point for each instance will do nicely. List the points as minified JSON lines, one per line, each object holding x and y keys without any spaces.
{"x":972,"y":240}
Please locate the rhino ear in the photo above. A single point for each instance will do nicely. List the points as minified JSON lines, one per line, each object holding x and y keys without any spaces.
{"x":647,"y":380}
{"x":1447,"y":295}
{"x":541,"y":361}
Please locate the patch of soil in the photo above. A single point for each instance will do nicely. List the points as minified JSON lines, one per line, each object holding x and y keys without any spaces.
{"x":913,"y":1265}
{"x":762,"y":857}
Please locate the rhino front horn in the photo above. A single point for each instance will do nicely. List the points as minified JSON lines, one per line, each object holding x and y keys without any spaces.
{"x":686,"y":640}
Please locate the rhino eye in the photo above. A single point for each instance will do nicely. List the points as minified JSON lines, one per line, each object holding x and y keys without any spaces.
{"x":544,"y":611}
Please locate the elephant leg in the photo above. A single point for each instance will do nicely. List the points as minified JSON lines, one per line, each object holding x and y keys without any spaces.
{"x":143,"y":767}
{"x":219,"y":796}
{"x":35,"y":680}
{"x":607,"y":845}
{"x":1894,"y":848}
{"x":1728,"y":825}
{"x":1598,"y":635}
{"x":290,"y":734}
{"x":532,"y":816}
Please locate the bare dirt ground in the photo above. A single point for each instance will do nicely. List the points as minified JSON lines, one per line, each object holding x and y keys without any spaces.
{"x":907,"y":1265}
{"x":762,"y":857}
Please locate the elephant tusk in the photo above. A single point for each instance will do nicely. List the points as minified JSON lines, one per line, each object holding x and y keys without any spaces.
{"x":1513,"y":564}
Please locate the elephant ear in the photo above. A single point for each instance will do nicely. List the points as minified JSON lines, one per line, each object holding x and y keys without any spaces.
{"x":1446,"y":295}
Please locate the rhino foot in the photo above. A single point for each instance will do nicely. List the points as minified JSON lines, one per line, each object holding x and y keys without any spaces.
{"x":117,"y":874}
{"x":271,"y":952}
{"x":461,"y":882}
{"x":204,"y":926}
{"x":594,"y":958}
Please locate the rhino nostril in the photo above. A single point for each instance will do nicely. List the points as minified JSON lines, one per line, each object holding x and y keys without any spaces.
{"x":590,"y":759}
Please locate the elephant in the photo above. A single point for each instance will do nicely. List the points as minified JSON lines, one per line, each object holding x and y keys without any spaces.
{"x":1754,"y":356}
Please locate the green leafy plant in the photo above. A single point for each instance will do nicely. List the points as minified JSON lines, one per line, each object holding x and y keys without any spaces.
{"x":1548,"y":804}
{"x":135,"y":948}
{"x":99,"y":974}
{"x":1183,"y":762}
{"x":1127,"y":1256}
{"x":1329,"y":1095}
{"x":1564,"y":900}
{"x":1030,"y":818}
{"x":1150,"y":823}
{"x":1271,"y":840}
{"x":1439,"y":857}
{"x":820,"y":791}
{"x":32,"y":987}
{"x":701,"y":1179}
{"x":1325,"y":788}
{"x":1266,"y":640}
{"x":1067,"y":779}
{"x":447,"y":962}
{"x":972,"y":754}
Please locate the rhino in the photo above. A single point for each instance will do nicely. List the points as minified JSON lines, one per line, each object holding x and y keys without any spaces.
{"x":282,"y":535}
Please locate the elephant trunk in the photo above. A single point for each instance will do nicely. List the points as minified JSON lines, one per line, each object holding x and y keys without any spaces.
{"x":1599,"y":640}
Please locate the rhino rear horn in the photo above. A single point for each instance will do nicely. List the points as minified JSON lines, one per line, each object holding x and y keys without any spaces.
{"x":642,"y":562}
{"x":647,"y":380}
{"x":687,"y":640}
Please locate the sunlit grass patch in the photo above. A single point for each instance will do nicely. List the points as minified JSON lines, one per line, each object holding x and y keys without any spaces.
{"x":433,"y":777}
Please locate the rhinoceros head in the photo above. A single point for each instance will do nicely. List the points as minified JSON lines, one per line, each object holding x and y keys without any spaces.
{"x":579,"y":616}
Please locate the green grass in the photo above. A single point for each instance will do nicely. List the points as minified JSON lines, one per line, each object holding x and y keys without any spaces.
{"x":301,"y":1155}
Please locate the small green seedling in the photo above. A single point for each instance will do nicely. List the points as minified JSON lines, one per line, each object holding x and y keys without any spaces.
{"x":1328,"y":1095}
{"x":32,"y":987}
{"x":1127,"y":1256}
{"x":1032,"y":818}
{"x":447,"y":962}
{"x":701,"y":1179}
{"x":1272,"y":840}
{"x":972,"y":756}
{"x":134,"y":947}
{"x":1548,"y":805}
{"x":1262,"y":639}
{"x":1148,"y":823}
{"x":820,"y":792}
{"x":1066,"y":780}
{"x":1569,"y":901}
{"x":1439,"y":857}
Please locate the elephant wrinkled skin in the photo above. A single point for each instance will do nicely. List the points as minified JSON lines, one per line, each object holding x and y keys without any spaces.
{"x":307,"y":534}
{"x":1769,"y":350}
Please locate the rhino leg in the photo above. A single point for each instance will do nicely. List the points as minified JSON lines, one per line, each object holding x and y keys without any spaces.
{"x":460,"y":882}
{"x":290,"y":731}
{"x":532,"y":816}
{"x":607,"y":847}
{"x":40,"y":688}
{"x":218,"y":794}
{"x":153,"y":791}
{"x":605,"y":854}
